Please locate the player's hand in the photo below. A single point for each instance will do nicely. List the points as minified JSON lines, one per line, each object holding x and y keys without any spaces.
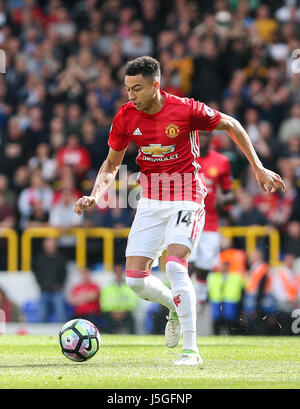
{"x":84,"y":203}
{"x":269,"y":181}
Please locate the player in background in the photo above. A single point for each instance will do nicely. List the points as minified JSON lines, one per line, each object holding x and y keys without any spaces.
{"x":218,"y":179}
{"x":170,"y":214}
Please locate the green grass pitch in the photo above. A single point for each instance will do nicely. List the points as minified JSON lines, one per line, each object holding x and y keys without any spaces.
{"x":143,"y":362}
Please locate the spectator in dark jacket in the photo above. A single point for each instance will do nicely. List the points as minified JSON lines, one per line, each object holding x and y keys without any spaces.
{"x":49,"y":268}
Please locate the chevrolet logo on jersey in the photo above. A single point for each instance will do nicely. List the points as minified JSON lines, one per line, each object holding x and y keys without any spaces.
{"x":156,"y":150}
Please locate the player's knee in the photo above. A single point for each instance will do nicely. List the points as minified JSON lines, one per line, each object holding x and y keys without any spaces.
{"x":135,"y":279}
{"x":177,"y":274}
{"x":136,"y":284}
{"x":175,"y":265}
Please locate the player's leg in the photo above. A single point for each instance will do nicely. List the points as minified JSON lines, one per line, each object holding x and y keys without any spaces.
{"x":182,"y":234}
{"x":198,"y":275}
{"x":145,"y":241}
{"x":145,"y":285}
{"x":184,"y":298}
{"x":205,"y":259}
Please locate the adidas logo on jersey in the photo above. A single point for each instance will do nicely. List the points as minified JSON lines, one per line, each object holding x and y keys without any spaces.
{"x":137,"y":132}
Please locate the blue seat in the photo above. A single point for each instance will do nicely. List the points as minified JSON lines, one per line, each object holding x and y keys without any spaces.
{"x":30,"y":309}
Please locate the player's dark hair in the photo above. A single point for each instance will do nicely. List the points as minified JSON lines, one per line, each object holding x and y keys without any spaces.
{"x":146,"y":66}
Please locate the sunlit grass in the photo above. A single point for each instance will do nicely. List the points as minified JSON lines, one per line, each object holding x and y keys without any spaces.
{"x":143,"y":362}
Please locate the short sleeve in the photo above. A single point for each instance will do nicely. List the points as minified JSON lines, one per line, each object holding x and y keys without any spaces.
{"x":202,"y":117}
{"x":118,"y":139}
{"x":226,"y":176}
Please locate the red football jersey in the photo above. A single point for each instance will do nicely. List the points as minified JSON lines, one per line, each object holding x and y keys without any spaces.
{"x":168,"y":146}
{"x":217,"y":174}
{"x":89,"y":307}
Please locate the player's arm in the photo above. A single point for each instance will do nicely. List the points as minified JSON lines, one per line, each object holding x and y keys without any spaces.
{"x":105,"y":178}
{"x":267,"y":179}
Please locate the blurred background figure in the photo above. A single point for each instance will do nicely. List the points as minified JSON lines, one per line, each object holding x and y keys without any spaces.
{"x":62,"y":216}
{"x":49,"y":268}
{"x":84,"y":297}
{"x":37,"y":191}
{"x":259,"y":304}
{"x":12,"y":312}
{"x":285,"y":288}
{"x":117,"y":303}
{"x":217,"y":174}
{"x":225,"y":294}
{"x":7,"y":220}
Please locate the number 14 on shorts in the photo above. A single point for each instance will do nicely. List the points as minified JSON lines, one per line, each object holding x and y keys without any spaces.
{"x":191,"y":220}
{"x":184,"y":217}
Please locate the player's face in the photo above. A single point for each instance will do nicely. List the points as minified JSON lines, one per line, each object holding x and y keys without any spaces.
{"x":141,"y":91}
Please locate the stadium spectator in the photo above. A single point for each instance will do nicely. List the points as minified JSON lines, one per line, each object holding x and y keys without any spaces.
{"x":62,"y":217}
{"x":183,"y":65}
{"x":9,"y":194}
{"x":117,"y":217}
{"x":66,"y":180}
{"x":36,"y":131}
{"x":39,"y":217}
{"x":49,"y":268}
{"x":205,"y":70}
{"x":117,"y":302}
{"x":74,"y":154}
{"x":20,"y":180}
{"x":264,"y":23}
{"x":246,"y":214}
{"x":108,"y":37}
{"x":259,"y":304}
{"x":107,"y":93}
{"x":94,"y":142}
{"x":288,"y":11}
{"x":43,"y":159}
{"x":63,"y":27}
{"x":292,"y":240}
{"x":236,"y":259}
{"x":38,"y":190}
{"x":7,"y":220}
{"x":285,"y":289}
{"x":290,"y":126}
{"x":14,"y":149}
{"x":84,"y":297}
{"x":225,"y":294}
{"x":11,"y":310}
{"x":267,"y":146}
{"x":138,"y":43}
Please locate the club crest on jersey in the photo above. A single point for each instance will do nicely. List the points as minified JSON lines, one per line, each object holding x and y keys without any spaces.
{"x":172,"y":130}
{"x":213,"y":171}
{"x":157,"y":150}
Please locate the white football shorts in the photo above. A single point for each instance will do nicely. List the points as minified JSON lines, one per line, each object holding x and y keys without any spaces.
{"x":206,"y":254}
{"x":160,"y":223}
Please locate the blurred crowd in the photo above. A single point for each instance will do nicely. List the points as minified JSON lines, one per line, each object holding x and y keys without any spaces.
{"x":246,"y":296}
{"x":64,"y":83}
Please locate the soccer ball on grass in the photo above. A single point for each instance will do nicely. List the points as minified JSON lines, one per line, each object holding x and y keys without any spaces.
{"x":79,"y":340}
